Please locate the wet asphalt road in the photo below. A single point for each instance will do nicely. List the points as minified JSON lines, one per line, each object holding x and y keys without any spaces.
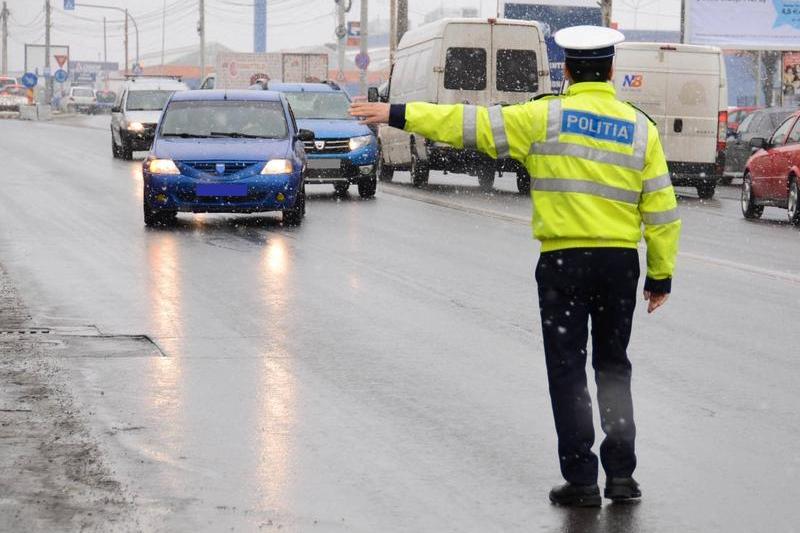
{"x":380,"y":368}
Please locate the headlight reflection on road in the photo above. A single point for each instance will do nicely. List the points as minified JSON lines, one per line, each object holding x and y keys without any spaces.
{"x":278,"y":387}
{"x":163,"y":266}
{"x":138,"y":179}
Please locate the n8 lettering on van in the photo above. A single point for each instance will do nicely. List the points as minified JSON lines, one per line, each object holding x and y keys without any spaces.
{"x":633,"y":81}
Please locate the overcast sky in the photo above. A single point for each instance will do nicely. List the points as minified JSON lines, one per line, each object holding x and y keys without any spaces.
{"x":290,"y":23}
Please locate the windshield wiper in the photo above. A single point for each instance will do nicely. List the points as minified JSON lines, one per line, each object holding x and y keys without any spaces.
{"x":235,"y":135}
{"x":186,"y":135}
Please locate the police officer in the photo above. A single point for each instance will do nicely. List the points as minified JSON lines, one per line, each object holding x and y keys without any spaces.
{"x":598,"y":176}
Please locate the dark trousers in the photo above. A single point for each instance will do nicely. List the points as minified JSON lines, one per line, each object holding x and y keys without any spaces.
{"x":575,"y":285}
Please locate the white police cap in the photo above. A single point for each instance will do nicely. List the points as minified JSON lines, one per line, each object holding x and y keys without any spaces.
{"x":588,"y":42}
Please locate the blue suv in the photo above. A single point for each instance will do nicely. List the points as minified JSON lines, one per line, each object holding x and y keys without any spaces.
{"x":343,"y":151}
{"x":226,"y":152}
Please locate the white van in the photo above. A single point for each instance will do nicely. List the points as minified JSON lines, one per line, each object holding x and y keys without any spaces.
{"x":454,"y":61}
{"x":136,"y":112}
{"x":684,"y":90}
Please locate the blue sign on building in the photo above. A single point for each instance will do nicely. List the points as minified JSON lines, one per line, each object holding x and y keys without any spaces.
{"x":69,"y":5}
{"x":553,"y":18}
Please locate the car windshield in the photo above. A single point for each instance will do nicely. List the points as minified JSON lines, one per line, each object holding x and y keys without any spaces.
{"x":331,"y":106}
{"x":82,"y":92}
{"x":229,"y":118}
{"x":147,"y":100}
{"x":106,"y":97}
{"x":6,"y":81}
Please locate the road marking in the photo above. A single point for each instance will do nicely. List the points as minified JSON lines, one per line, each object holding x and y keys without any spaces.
{"x":744,"y":267}
{"x":506,"y":217}
{"x":420,"y":197}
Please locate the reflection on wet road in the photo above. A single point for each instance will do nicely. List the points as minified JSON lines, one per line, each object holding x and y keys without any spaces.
{"x":380,"y":369}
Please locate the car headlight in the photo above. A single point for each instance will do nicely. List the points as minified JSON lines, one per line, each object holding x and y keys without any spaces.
{"x":163,"y":166}
{"x":136,"y":126}
{"x":278,"y":166}
{"x":360,"y":142}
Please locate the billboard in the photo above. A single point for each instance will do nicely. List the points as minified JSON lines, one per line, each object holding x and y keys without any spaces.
{"x":87,"y":71}
{"x":752,"y":25}
{"x":34,"y":58}
{"x":554,"y":15}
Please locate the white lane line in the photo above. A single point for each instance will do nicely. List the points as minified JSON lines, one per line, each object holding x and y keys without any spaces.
{"x":420,"y":197}
{"x":735,"y":265}
{"x":743,"y":267}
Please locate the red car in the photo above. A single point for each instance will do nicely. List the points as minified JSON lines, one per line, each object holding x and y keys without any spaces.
{"x":771,"y":174}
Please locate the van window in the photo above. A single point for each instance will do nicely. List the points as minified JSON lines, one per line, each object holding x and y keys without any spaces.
{"x":517,"y":71}
{"x":465,"y":69}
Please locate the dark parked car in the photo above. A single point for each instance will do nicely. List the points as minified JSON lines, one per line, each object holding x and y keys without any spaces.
{"x":759,"y":123}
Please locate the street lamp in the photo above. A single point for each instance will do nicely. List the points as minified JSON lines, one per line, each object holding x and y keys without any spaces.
{"x":127,"y":16}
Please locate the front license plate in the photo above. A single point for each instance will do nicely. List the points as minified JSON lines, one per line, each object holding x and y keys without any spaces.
{"x":221,"y":189}
{"x":324,"y":163}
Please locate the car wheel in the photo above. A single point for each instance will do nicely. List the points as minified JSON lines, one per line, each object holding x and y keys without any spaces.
{"x":384,"y":171}
{"x":523,"y":181}
{"x":367,"y":187}
{"x":749,"y":208}
{"x":294,"y":215}
{"x":420,"y":171}
{"x":706,"y":190}
{"x":794,"y":203}
{"x":341,"y":188}
{"x":114,"y":148}
{"x":125,"y":151}
{"x":154,"y":217}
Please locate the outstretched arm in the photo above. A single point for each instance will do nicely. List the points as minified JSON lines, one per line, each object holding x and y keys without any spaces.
{"x":496,"y":131}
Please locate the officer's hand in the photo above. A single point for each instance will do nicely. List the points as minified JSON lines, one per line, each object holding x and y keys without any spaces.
{"x":655,"y":300}
{"x":370,"y":113}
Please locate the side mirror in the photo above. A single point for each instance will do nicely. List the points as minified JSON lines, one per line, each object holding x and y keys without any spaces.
{"x":373,"y":95}
{"x":759,"y":143}
{"x":116,"y":109}
{"x":305,"y":135}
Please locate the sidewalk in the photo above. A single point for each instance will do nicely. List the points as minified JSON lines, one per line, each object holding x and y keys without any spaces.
{"x":52,"y":475}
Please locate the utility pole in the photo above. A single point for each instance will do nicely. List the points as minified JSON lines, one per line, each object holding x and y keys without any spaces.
{"x":364,"y":43}
{"x":201,"y":29}
{"x":392,"y":31}
{"x":341,"y":35}
{"x":4,"y":16}
{"x":402,"y":18}
{"x":105,"y":52}
{"x":127,"y":65}
{"x":48,"y":92}
{"x":163,"y":32}
{"x":260,"y":26}
{"x":605,"y":9}
{"x":683,"y":21}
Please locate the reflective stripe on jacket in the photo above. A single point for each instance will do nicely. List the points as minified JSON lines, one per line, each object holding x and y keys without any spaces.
{"x":597,"y":167}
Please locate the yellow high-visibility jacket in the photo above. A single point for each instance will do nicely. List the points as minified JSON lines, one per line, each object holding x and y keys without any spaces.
{"x":597,"y":168}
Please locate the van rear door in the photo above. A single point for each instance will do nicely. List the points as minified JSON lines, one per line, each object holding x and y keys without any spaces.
{"x":693,"y":104}
{"x":515,"y":63}
{"x":466,"y":62}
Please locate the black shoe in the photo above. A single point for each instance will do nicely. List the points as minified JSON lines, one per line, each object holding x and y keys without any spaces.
{"x":620,"y":489}
{"x":572,"y":495}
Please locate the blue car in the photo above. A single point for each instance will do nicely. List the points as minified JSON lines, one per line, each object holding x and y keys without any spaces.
{"x":226,"y":152}
{"x":343,"y":151}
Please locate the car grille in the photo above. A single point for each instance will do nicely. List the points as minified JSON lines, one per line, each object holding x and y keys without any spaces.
{"x":332,"y":146}
{"x":210,"y":167}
